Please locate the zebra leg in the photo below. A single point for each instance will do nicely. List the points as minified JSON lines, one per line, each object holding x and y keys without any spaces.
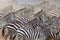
{"x":11,"y":37}
{"x":6,"y":36}
{"x":3,"y":31}
{"x":14,"y":37}
{"x":12,"y":34}
{"x":19,"y":37}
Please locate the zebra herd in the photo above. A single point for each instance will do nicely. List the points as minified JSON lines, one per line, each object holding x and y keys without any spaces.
{"x":41,"y":27}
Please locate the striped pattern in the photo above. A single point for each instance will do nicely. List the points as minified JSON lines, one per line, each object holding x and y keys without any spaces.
{"x":12,"y":27}
{"x":16,"y":27}
{"x":32,"y":30}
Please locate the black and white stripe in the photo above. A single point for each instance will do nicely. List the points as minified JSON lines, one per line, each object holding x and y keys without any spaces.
{"x":21,"y":29}
{"x":17,"y":27}
{"x":14,"y":25}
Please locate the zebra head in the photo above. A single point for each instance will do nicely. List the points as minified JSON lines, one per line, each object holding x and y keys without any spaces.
{"x":42,"y":16}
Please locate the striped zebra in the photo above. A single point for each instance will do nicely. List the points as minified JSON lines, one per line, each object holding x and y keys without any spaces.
{"x":54,"y":31}
{"x":17,"y":27}
{"x":56,"y":22}
{"x":26,"y":31}
{"x":22,"y":30}
{"x":41,"y":15}
{"x":14,"y":25}
{"x":31,"y":34}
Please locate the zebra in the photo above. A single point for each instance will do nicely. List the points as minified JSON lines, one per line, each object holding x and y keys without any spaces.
{"x":41,"y":15}
{"x":14,"y":26}
{"x":38,"y":35}
{"x":58,"y":34}
{"x":15,"y":22}
{"x":25,"y":30}
{"x":43,"y":18}
{"x":10,"y":17}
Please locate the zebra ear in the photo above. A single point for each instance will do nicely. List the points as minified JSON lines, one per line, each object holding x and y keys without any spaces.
{"x":9,"y":17}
